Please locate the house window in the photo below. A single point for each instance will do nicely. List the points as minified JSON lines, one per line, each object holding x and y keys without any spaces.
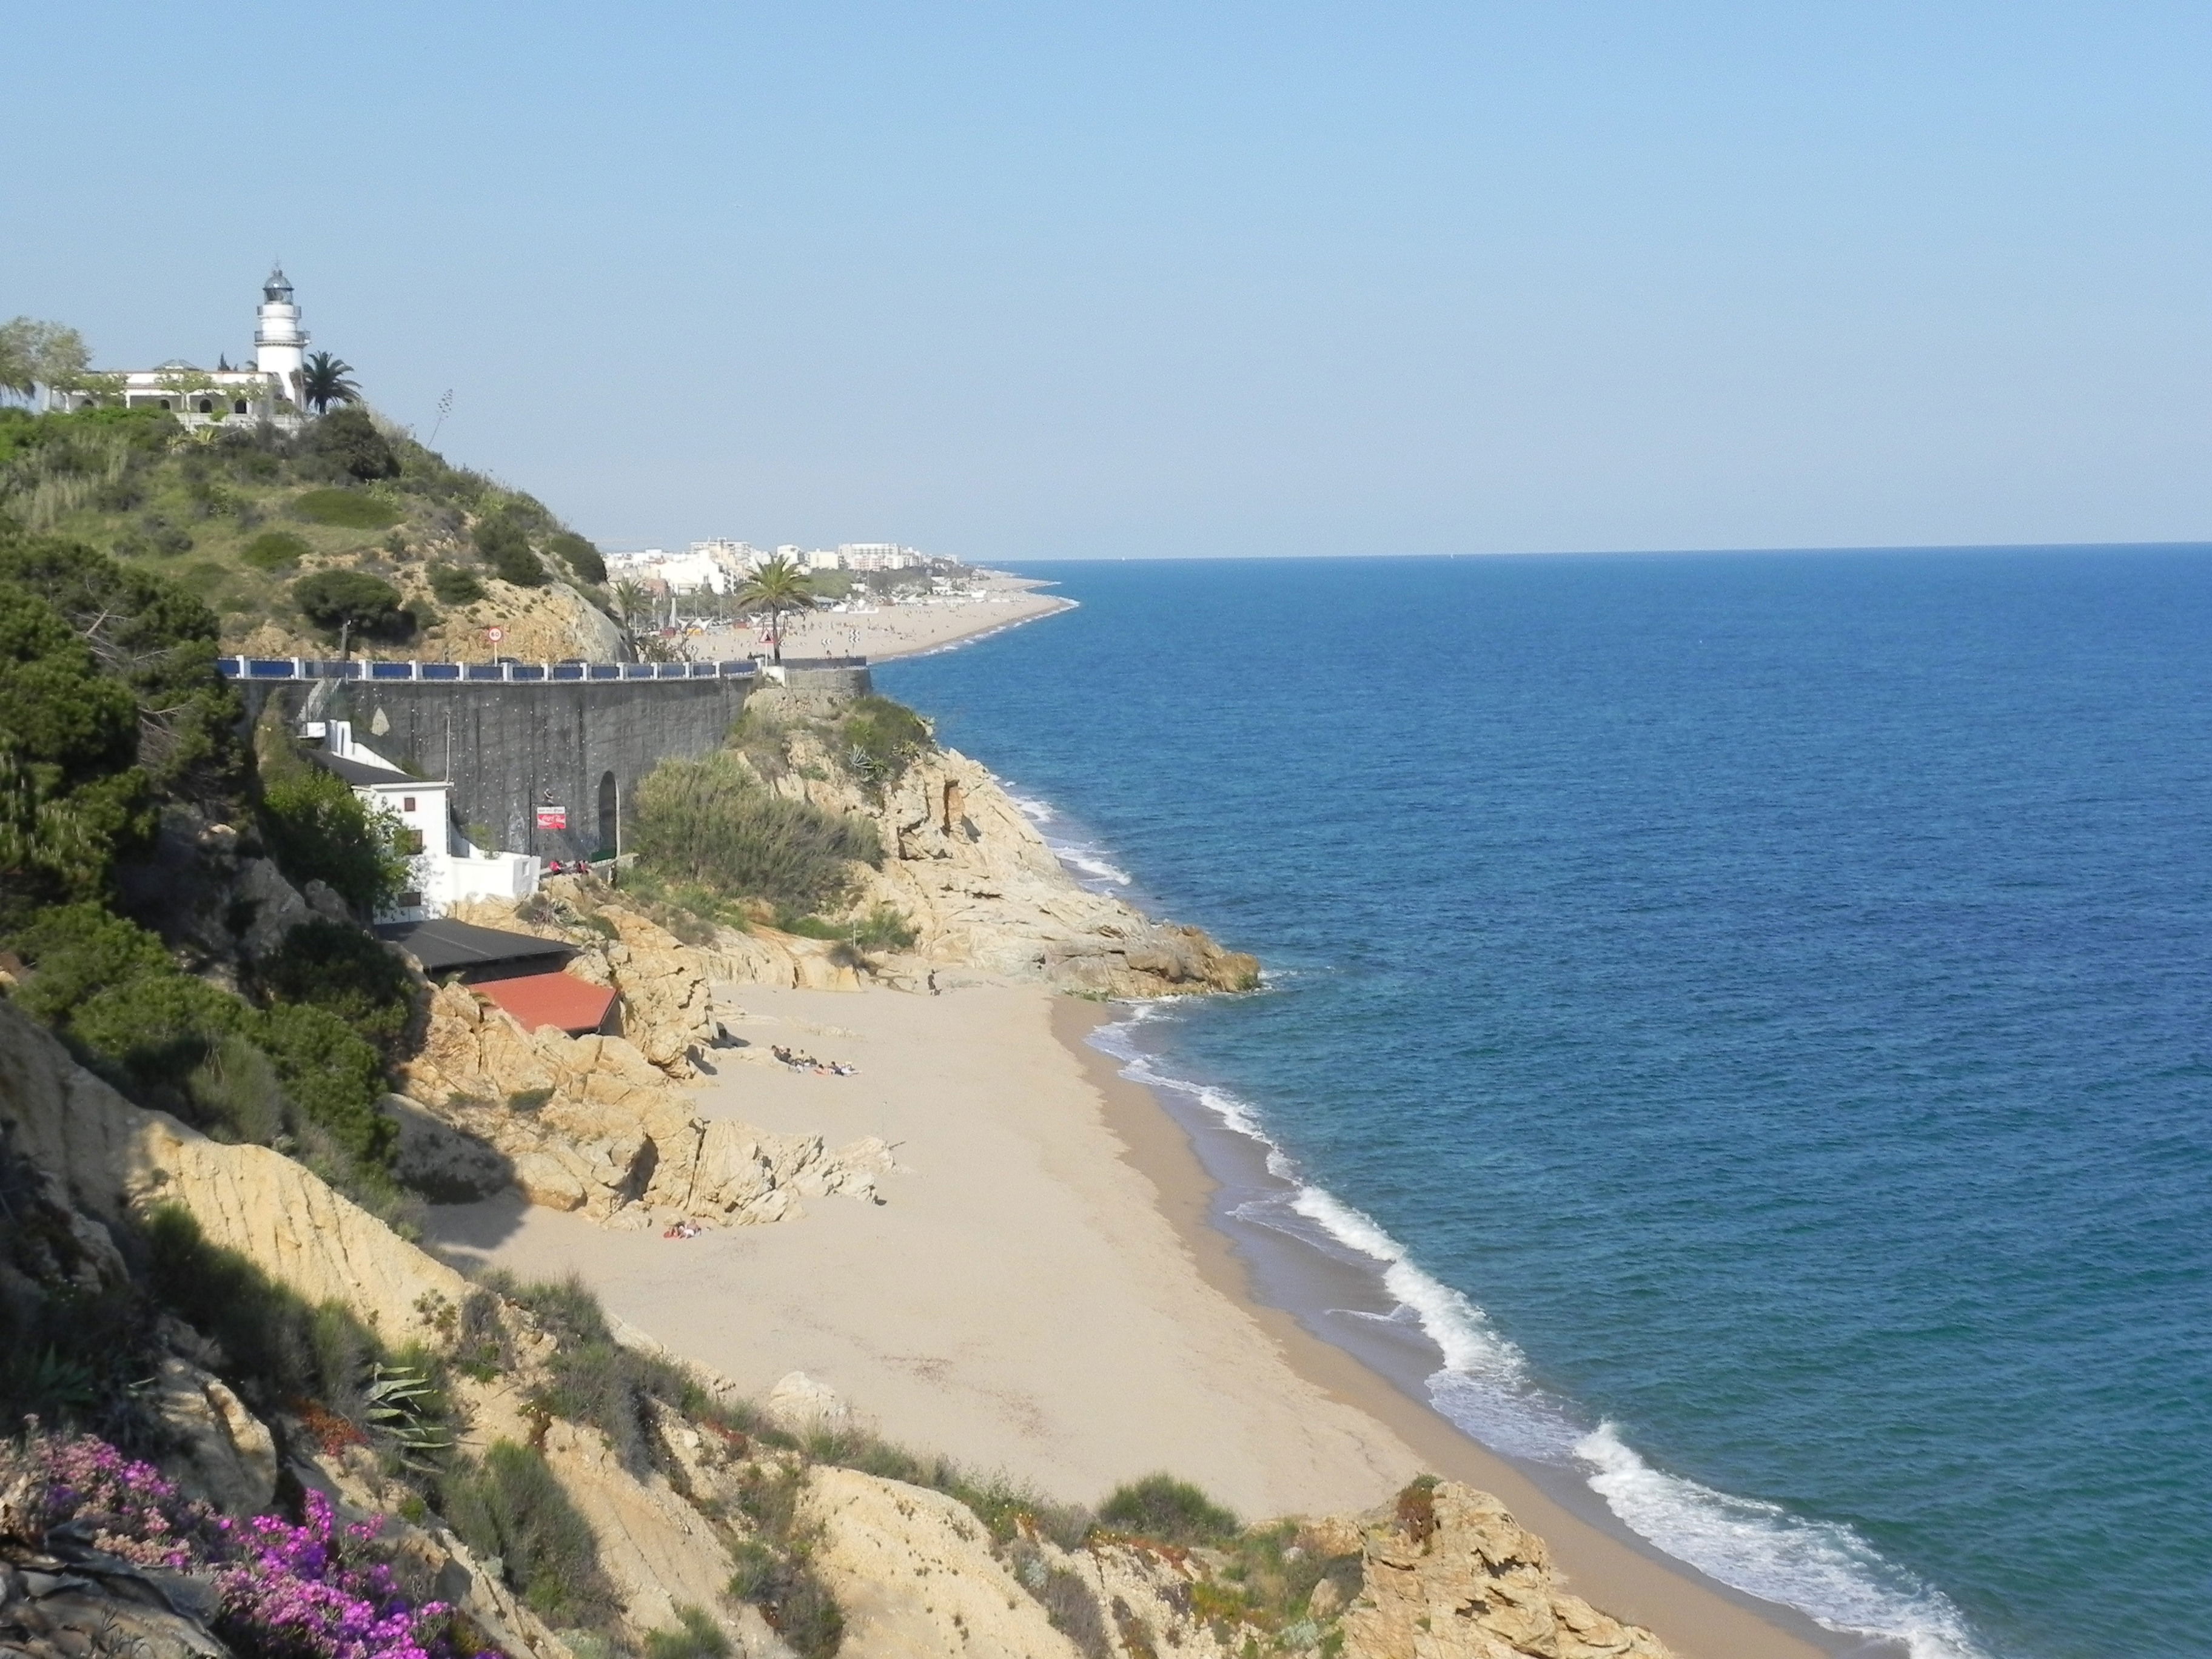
{"x":407,"y":803}
{"x":410,"y":841}
{"x":207,"y":405}
{"x":238,"y":406}
{"x":410,"y":901}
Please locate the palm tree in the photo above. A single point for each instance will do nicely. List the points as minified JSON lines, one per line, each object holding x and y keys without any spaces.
{"x":323,"y":382}
{"x":630,"y":604}
{"x":777,"y":586}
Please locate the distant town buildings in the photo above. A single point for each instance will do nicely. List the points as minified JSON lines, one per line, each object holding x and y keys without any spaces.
{"x":270,"y":391}
{"x":722,"y":566}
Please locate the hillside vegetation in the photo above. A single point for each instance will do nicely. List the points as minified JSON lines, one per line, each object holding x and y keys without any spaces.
{"x":350,"y":528}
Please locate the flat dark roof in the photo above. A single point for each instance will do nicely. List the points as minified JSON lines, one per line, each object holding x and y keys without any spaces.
{"x":442,"y":945}
{"x":354,"y":771}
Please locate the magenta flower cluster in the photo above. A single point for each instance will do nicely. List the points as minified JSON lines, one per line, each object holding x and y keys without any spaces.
{"x":316,"y":1590}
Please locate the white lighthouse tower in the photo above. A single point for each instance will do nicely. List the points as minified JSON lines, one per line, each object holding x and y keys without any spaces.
{"x":280,"y":344}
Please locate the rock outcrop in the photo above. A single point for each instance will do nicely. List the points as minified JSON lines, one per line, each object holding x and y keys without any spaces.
{"x":985,"y":893}
{"x":588,"y":1123}
{"x":661,"y":982}
{"x":1448,"y":1574}
{"x":914,"y":1573}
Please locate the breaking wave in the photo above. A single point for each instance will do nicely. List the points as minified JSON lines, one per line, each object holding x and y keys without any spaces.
{"x":1485,"y":1385}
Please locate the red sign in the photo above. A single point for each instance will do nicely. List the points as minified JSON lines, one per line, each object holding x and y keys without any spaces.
{"x":495,"y":634}
{"x":552,"y":818}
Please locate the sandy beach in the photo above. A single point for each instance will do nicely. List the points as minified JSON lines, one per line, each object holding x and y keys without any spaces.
{"x":1040,"y":1292}
{"x":897,"y":631}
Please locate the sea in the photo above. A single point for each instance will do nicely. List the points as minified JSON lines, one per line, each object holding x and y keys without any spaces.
{"x":1737,"y":1033}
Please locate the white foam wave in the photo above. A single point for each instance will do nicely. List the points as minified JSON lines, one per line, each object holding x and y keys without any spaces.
{"x":1822,"y":1568}
{"x":1085,"y":858}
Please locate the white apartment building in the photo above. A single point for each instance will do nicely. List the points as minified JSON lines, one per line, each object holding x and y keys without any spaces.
{"x":444,"y":867}
{"x":690,"y":572}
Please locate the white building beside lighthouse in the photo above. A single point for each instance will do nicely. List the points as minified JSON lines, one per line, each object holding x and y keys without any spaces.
{"x":270,"y":391}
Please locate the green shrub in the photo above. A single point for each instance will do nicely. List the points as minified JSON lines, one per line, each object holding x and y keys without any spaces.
{"x":505,"y":547}
{"x":156,"y":1028}
{"x":776,"y":1574}
{"x":884,"y":928}
{"x":333,"y":598}
{"x":154,"y":537}
{"x":454,"y":586}
{"x":79,"y":950}
{"x":347,"y":972}
{"x":878,"y":739}
{"x":277,"y":1347}
{"x":333,"y":1076}
{"x":158,"y":641}
{"x":346,"y":443}
{"x":594,"y":1379}
{"x":236,"y":1093}
{"x":695,"y":1637}
{"x":60,"y":717}
{"x":1172,"y":1511}
{"x":346,"y":509}
{"x":713,"y":824}
{"x":273,"y":549}
{"x":318,"y":830}
{"x":511,"y":1507}
{"x":579,"y":556}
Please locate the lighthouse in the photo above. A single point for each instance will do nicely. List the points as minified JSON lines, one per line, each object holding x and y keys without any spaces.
{"x":280,"y":344}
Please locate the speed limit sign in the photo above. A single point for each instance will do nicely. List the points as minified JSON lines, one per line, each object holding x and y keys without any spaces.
{"x":495,"y":634}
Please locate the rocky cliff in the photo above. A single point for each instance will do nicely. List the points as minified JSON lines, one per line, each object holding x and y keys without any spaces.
{"x":984,"y":892}
{"x":697,"y":1516}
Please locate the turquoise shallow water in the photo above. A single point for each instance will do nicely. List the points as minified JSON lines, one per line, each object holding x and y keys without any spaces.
{"x":1764,"y":999}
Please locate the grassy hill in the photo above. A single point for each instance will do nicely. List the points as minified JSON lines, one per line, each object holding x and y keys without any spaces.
{"x":254,"y":522}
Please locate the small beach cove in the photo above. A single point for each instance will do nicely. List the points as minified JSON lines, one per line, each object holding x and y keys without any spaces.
{"x":1042,"y":1291}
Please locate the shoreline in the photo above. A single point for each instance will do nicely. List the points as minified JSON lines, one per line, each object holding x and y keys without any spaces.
{"x":1597,"y":1556}
{"x":1044,"y":1292}
{"x":890,"y":632}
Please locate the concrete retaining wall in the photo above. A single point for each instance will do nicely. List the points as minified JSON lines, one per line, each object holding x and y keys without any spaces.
{"x":515,"y":751}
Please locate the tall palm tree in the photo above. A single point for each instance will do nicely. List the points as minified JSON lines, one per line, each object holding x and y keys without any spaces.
{"x":631,"y":603}
{"x":777,"y":586}
{"x":323,"y":381}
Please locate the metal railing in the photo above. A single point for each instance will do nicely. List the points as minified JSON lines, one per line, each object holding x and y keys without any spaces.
{"x":500,"y":673}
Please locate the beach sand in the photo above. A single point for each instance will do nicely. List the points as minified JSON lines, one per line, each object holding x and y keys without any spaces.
{"x":900,"y":630}
{"x":1041,"y":1294}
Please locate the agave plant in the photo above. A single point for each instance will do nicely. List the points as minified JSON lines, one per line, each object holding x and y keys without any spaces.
{"x":401,"y":1402}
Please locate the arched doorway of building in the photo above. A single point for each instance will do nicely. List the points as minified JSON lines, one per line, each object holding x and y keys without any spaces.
{"x":609,"y":816}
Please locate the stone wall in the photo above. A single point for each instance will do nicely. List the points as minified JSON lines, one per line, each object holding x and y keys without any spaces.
{"x":512,"y":750}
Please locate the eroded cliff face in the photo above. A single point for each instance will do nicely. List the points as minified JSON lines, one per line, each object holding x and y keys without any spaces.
{"x":986,"y":895}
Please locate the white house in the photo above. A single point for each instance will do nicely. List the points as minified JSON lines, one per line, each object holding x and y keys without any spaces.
{"x":444,"y":865}
{"x":270,"y":391}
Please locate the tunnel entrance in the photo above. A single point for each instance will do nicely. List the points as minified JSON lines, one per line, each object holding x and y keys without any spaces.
{"x":610,"y":813}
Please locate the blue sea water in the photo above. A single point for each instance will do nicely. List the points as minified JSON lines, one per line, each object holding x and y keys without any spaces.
{"x":1758,"y":1007}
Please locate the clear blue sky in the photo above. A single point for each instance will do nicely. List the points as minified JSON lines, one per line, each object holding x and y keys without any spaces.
{"x":1026,"y":281}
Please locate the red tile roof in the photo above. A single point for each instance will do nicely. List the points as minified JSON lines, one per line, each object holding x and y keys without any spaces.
{"x":556,"y":1000}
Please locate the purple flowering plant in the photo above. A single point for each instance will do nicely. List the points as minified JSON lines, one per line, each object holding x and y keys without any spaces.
{"x":316,"y":1590}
